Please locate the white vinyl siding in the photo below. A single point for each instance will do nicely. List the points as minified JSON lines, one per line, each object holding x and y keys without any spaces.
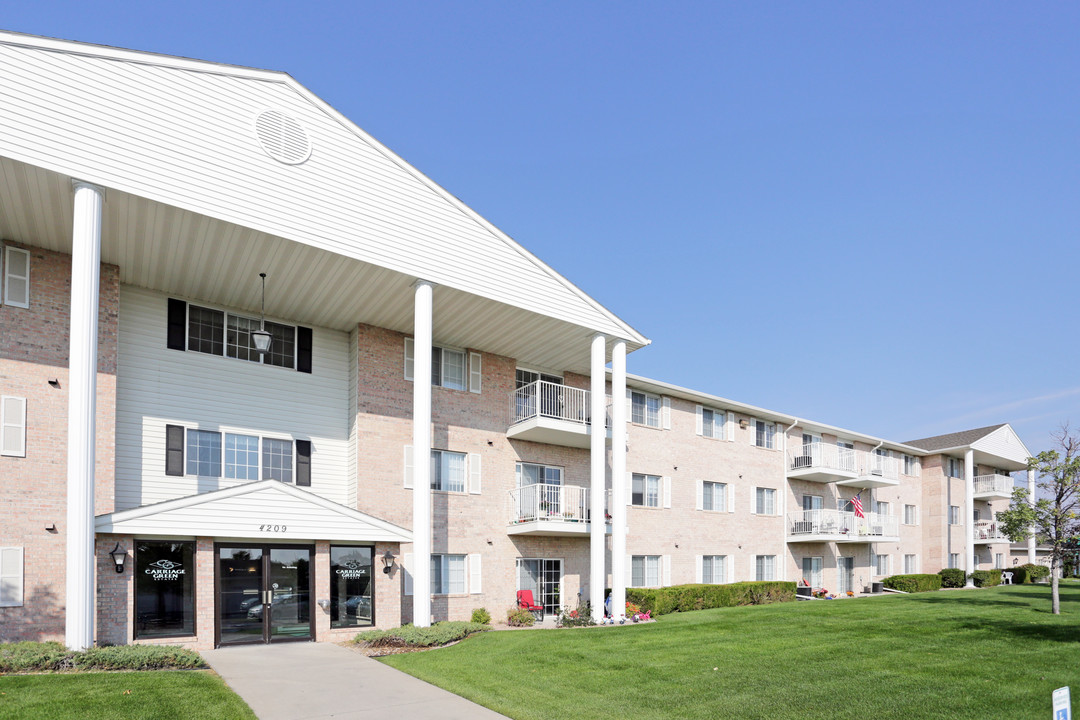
{"x":11,"y":576}
{"x":158,"y":387}
{"x":764,"y":501}
{"x":16,"y":265}
{"x":765,"y":567}
{"x":645,"y":571}
{"x":12,"y":426}
{"x":764,"y":434}
{"x":447,"y":574}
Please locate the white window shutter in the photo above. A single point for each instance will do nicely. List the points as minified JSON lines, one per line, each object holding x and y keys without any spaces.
{"x":700,"y":427}
{"x":730,"y":498}
{"x":408,"y":358}
{"x":665,"y":412}
{"x":629,"y":405}
{"x":629,"y":488}
{"x":667,"y":491}
{"x":474,"y":473}
{"x":13,"y":426}
{"x":629,"y":582}
{"x":476,"y":374}
{"x":699,"y":573}
{"x":17,"y":277}
{"x":918,"y":467}
{"x":753,"y":501}
{"x":666,"y":560}
{"x":11,"y":577}
{"x":408,"y":466}
{"x":406,"y":572}
{"x":701,"y":495}
{"x":917,"y":511}
{"x":474,"y":574}
{"x":731,"y":427}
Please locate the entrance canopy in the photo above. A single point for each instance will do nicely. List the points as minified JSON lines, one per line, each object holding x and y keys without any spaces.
{"x":269,"y":510}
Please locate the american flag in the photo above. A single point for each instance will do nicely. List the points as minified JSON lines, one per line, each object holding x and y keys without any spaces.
{"x":856,"y":503}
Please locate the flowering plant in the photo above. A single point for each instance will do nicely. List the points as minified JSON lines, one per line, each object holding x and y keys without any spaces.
{"x":850,"y":594}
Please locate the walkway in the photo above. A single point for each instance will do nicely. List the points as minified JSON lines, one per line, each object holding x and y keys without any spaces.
{"x":312,"y":681}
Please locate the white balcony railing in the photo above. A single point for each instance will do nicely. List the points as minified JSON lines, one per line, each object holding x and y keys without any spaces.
{"x":822,"y":455}
{"x":996,"y":484}
{"x":847,"y":525}
{"x":879,"y":465}
{"x":549,"y":503}
{"x":988,"y":530}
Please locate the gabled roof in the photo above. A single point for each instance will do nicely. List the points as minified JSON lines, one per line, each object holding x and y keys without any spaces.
{"x":182,"y":133}
{"x":954,"y":440}
{"x":267,"y":509}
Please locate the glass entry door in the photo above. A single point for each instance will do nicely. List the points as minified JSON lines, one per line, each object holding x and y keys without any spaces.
{"x":264,"y":594}
{"x":544,"y":578}
{"x":845,"y":567}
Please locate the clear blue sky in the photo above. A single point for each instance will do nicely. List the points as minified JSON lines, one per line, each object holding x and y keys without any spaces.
{"x":859,"y":214}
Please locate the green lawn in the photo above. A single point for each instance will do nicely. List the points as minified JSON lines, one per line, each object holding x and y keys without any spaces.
{"x":996,"y":652}
{"x":154,"y":695}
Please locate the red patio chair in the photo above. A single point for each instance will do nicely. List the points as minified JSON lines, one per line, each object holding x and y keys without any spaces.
{"x":525,"y":602}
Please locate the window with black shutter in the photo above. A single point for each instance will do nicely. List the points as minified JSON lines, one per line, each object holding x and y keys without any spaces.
{"x":174,"y":450}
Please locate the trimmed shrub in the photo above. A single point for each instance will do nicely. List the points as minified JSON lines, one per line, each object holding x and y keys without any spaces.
{"x":1037,"y":572}
{"x":440,"y":633}
{"x":53,"y":657}
{"x":913,"y":583}
{"x":684,"y":598}
{"x":986,"y":578}
{"x":480,"y":616}
{"x":581,"y":617}
{"x":519,"y":617}
{"x":952,"y":578}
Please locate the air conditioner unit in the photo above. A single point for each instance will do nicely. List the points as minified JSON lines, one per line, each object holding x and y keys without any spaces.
{"x":877,"y":472}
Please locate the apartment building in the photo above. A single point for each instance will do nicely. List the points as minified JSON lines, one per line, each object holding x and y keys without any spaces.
{"x":237,"y":335}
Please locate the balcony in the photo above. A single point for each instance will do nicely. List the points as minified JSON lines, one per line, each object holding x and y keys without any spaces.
{"x":551,"y":510}
{"x":819,"y":462}
{"x":841,"y":527}
{"x":993,"y":487}
{"x":986,"y":532}
{"x":550,"y":413}
{"x":875,"y":471}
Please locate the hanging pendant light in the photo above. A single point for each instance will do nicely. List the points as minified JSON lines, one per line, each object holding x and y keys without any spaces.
{"x":260,"y":338}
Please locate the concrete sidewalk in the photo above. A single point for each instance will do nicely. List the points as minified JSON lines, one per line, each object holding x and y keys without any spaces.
{"x":312,"y":681}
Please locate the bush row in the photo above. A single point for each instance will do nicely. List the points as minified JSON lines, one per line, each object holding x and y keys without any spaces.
{"x":952,"y":578}
{"x":913,"y":583}
{"x":54,"y":657}
{"x":439,"y":633}
{"x":683,"y":598}
{"x":1028,"y":573}
{"x":986,"y":578}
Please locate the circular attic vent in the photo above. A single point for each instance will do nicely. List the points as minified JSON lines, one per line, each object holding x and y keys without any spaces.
{"x":282,"y":137}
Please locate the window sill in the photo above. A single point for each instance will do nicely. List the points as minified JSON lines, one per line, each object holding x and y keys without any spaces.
{"x":643,"y":425}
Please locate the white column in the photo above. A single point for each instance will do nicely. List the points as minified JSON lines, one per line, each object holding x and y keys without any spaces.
{"x":82,"y":395}
{"x":421,"y":569}
{"x":969,"y":516}
{"x":597,"y":484}
{"x":1031,"y":500}
{"x":618,"y":478}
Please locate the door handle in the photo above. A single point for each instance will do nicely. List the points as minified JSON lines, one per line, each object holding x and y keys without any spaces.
{"x":268,"y":597}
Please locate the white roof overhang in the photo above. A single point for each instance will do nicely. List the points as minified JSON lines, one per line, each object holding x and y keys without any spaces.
{"x":268,"y":509}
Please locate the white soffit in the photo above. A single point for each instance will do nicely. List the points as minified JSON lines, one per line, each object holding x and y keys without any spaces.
{"x":181,"y":132}
{"x":268,"y":509}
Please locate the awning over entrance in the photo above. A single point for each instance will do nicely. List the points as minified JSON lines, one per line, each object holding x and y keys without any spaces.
{"x":268,"y":509}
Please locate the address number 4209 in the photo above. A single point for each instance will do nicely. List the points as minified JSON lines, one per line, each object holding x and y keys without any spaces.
{"x":272,"y":528}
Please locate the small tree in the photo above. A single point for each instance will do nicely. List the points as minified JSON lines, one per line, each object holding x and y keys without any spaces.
{"x":1055,"y":517}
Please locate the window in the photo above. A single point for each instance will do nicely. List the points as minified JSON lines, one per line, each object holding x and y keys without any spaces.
{"x":812,"y":502}
{"x":238,"y":342}
{"x":448,"y":471}
{"x":645,"y":490}
{"x":764,"y":434}
{"x":975,"y":514}
{"x":713,"y":570}
{"x":811,"y":570}
{"x":711,"y":423}
{"x":11,"y":577}
{"x":447,"y":574}
{"x":954,"y":514}
{"x":765,"y":567}
{"x":206,"y":330}
{"x":911,"y":515}
{"x":882,"y":564}
{"x":203,"y":453}
{"x":954,"y":468}
{"x":16,"y":277}
{"x":449,"y":368}
{"x":534,"y":474}
{"x":911,"y":465}
{"x":645,"y":409}
{"x":764,"y":501}
{"x":999,"y":560}
{"x":911,"y":564}
{"x":645,"y":571}
{"x":282,"y":345}
{"x":881,"y":508}
{"x":954,"y":560}
{"x":277,"y":460}
{"x":714,"y":496}
{"x":12,"y":426}
{"x":350,"y":586}
{"x":164,"y":588}
{"x":217,"y":332}
{"x":241,"y":457}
